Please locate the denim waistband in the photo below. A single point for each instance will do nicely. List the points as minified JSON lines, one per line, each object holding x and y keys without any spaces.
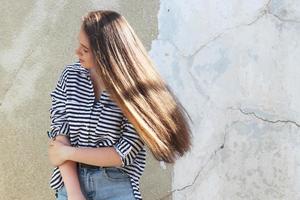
{"x":87,"y":166}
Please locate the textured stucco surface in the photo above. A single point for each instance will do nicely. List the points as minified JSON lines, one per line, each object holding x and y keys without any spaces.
{"x":235,"y":67}
{"x":37,"y":39}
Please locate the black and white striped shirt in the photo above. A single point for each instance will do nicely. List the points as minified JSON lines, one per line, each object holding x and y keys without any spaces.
{"x":90,"y":123}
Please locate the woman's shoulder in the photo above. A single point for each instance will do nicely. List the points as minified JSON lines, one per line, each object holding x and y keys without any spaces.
{"x":70,"y":71}
{"x":73,"y":70}
{"x":75,"y":67}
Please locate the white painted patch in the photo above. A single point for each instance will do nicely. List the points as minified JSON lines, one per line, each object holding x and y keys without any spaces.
{"x":220,"y":55}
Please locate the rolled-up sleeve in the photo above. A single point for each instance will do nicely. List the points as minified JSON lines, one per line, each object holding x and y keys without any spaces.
{"x":59,"y":124}
{"x":129,"y":144}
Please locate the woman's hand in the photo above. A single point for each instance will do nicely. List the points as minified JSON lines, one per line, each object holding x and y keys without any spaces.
{"x":58,"y":152}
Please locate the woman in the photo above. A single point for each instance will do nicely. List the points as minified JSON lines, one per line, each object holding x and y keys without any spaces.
{"x":105,"y":109}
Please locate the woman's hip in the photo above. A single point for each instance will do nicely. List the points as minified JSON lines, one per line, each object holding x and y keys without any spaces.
{"x":108,"y":183}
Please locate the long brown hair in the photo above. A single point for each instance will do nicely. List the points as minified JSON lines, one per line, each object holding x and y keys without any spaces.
{"x":130,"y":77}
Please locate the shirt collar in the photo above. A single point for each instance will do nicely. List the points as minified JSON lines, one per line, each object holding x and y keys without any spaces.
{"x":82,"y":69}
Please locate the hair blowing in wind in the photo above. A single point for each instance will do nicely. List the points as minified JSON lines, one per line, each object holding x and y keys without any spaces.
{"x":135,"y":85}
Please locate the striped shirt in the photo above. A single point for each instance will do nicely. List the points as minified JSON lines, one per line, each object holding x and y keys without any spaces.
{"x":88,"y":122}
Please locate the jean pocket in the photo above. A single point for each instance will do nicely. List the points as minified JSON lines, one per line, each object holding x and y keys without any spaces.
{"x":113,"y":173}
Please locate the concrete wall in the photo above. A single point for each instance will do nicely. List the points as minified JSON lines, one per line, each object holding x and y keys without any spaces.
{"x":37,"y":39}
{"x":235,"y":66}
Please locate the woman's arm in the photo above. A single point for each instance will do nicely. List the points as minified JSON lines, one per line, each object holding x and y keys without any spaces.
{"x":102,"y":156}
{"x":60,"y":132}
{"x":59,"y":153}
{"x":120,"y":154}
{"x":69,"y":174}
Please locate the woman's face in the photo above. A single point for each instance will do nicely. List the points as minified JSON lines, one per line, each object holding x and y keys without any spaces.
{"x":84,"y":52}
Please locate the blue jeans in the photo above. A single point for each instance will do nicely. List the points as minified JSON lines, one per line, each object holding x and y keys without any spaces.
{"x":103,"y":183}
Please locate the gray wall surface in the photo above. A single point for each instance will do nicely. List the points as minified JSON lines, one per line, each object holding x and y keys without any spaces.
{"x":233,"y":64}
{"x":37,"y":39}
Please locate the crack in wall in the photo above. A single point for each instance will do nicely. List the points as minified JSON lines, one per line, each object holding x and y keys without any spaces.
{"x":217,"y":36}
{"x":285,"y":20}
{"x":265,"y":10}
{"x":221,"y":147}
{"x":264,"y":119}
{"x":268,"y":120}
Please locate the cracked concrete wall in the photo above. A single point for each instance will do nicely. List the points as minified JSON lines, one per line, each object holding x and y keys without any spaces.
{"x":37,"y":39}
{"x":234,"y":66}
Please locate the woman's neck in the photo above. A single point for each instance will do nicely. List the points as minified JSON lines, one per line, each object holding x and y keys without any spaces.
{"x":96,"y":79}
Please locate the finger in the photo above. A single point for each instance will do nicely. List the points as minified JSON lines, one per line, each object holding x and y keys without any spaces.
{"x":54,"y":141}
{"x":50,"y":141}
